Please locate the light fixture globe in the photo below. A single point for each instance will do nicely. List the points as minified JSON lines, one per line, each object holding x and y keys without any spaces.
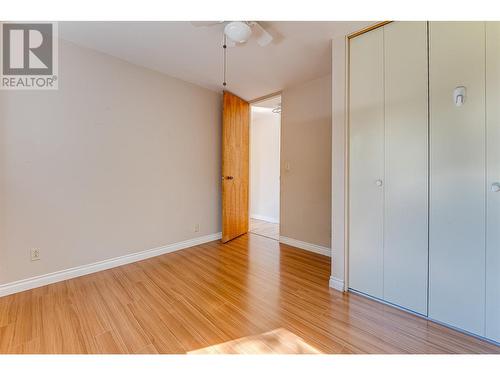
{"x":238,"y":31}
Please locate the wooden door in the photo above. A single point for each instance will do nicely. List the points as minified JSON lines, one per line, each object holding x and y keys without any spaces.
{"x":235,"y":170}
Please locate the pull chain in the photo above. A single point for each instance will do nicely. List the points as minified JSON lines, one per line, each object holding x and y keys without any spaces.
{"x":224,"y":47}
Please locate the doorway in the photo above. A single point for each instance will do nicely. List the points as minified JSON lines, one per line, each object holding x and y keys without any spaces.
{"x":265,"y":141}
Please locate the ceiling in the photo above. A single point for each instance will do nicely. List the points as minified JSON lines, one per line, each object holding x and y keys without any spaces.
{"x":300,"y":51}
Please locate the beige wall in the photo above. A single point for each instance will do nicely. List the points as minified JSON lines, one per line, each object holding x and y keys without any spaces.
{"x":120,"y":159}
{"x":306,"y":146}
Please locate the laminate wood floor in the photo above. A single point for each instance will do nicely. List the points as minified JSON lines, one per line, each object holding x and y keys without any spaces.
{"x":252,"y":295}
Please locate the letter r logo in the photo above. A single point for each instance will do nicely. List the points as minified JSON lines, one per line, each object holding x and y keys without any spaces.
{"x":27,"y":49}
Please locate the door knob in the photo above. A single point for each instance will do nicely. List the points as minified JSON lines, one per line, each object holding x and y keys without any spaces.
{"x":228,"y":177}
{"x":495,"y":187}
{"x":379,"y":183}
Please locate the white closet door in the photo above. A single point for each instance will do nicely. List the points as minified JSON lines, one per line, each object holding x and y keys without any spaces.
{"x":493,"y":177}
{"x":458,"y":176}
{"x":366,"y":160}
{"x":406,"y":165}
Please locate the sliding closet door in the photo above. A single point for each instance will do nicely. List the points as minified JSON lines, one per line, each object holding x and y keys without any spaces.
{"x":366,"y":160}
{"x":458,"y":178}
{"x":406,"y":165}
{"x":493,"y":179}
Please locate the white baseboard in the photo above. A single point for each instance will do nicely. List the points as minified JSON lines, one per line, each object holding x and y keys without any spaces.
{"x":336,"y":283}
{"x":54,"y":277}
{"x":265,"y":218}
{"x":306,"y":246}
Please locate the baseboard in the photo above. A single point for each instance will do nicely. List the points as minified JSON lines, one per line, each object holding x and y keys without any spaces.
{"x":265,"y":218}
{"x":54,"y":277}
{"x":336,"y":283}
{"x":306,"y":246}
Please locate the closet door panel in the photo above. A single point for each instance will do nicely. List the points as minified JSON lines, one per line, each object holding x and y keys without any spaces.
{"x":493,"y":177}
{"x":366,"y":160}
{"x":406,"y":165}
{"x":458,"y":176}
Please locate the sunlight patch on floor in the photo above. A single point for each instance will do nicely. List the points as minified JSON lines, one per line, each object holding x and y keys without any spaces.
{"x":278,"y":341}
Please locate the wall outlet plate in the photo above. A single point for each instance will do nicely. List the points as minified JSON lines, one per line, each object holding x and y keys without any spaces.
{"x":35,"y":254}
{"x":197,"y":228}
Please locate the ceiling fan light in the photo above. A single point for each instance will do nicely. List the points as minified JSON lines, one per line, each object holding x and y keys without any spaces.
{"x":238,"y":31}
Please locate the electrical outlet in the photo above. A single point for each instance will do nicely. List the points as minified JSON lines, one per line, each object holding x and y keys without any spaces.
{"x":197,"y":228}
{"x":35,"y":254}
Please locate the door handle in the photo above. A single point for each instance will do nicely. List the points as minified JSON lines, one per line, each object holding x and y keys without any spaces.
{"x":495,"y":187}
{"x":228,"y":178}
{"x":379,"y":183}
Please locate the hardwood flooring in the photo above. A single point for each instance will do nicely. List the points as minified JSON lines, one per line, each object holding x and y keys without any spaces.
{"x":265,"y":228}
{"x":251,"y":295}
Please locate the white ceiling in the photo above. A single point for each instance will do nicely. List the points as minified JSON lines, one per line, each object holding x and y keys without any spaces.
{"x":300,"y":51}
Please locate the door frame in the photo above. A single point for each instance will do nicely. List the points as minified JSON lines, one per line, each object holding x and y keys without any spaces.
{"x":252,"y":102}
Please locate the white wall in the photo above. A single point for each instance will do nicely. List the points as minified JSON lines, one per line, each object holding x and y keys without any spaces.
{"x":265,"y":165}
{"x":338,"y":155}
{"x":306,"y":146}
{"x":118,"y":160}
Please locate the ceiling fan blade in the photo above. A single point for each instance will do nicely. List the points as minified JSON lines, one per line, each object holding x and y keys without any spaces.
{"x":263,"y":38}
{"x":205,"y":23}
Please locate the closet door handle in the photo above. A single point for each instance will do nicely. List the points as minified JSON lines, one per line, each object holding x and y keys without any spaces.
{"x":379,"y":183}
{"x":495,"y":187}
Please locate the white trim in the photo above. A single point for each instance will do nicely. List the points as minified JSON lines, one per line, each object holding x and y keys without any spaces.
{"x":38,"y":281}
{"x":347,"y":136}
{"x":336,"y":283}
{"x":306,"y":246}
{"x":265,"y":218}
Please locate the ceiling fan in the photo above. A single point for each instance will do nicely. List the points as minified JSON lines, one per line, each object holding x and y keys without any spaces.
{"x":240,"y":31}
{"x":237,"y":32}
